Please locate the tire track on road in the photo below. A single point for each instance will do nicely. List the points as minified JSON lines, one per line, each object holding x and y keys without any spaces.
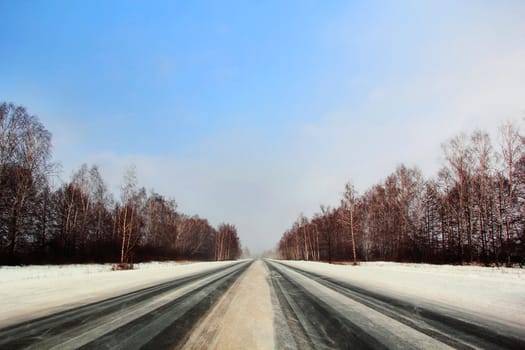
{"x":316,"y":324}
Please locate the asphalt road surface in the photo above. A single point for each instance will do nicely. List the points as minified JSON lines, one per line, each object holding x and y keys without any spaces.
{"x":327,"y":314}
{"x":260,"y":305}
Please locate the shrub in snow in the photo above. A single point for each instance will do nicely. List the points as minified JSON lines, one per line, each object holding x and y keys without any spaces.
{"x":122,"y":266}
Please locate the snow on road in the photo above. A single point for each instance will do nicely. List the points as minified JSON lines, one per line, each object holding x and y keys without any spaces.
{"x":242,"y":319}
{"x":494,"y":293}
{"x":33,"y":291}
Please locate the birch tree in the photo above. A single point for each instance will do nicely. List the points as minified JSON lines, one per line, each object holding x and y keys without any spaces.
{"x":349,"y":205}
{"x":25,"y":151}
{"x":128,"y":217}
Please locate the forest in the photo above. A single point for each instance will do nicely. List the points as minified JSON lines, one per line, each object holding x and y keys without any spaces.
{"x":80,"y":220}
{"x":471,"y":211}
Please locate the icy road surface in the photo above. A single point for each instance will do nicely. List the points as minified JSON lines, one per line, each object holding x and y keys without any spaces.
{"x":262,"y":305}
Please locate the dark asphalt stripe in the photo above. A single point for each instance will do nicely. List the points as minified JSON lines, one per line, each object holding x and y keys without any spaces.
{"x":24,"y":334}
{"x":455,"y":332}
{"x":321,"y":323}
{"x":177,"y":333}
{"x":298,"y":332}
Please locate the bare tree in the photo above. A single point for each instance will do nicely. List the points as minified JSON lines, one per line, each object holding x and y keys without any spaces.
{"x":227,"y":246}
{"x":482,"y":154}
{"x":458,"y":155}
{"x":349,"y":205}
{"x":128,"y":217}
{"x":25,"y":150}
{"x":512,"y":148}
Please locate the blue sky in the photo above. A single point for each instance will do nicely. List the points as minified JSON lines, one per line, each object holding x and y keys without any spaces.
{"x":252,"y":112}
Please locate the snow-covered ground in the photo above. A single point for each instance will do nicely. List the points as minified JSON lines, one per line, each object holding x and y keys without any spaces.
{"x":32,"y":291}
{"x":495,"y":293}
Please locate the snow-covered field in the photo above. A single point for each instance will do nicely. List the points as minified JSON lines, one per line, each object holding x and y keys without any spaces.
{"x":32,"y":291}
{"x":495,"y":293}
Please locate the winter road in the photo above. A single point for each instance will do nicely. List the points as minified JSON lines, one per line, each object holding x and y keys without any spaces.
{"x":260,"y":305}
{"x":323,"y":313}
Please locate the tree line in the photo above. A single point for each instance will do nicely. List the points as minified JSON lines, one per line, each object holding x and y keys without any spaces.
{"x":471,"y":211}
{"x":81,"y":221}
